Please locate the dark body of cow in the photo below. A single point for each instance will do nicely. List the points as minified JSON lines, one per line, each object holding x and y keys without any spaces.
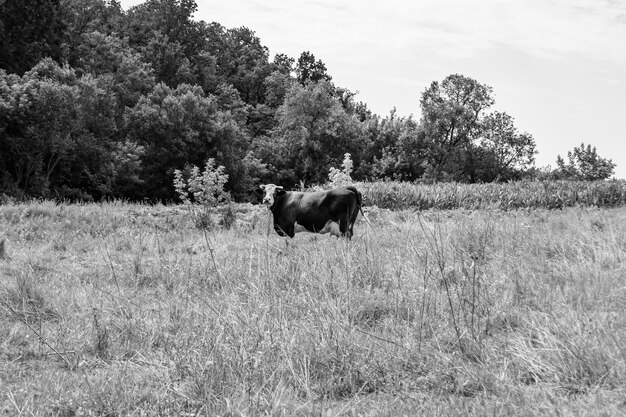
{"x":333,"y":211}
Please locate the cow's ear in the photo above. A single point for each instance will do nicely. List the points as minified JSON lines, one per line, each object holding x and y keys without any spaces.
{"x":280,"y":191}
{"x":262,"y":186}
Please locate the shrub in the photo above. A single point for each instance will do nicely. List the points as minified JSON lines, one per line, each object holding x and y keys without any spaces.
{"x":337,"y":177}
{"x":584,"y":163}
{"x":206,"y":187}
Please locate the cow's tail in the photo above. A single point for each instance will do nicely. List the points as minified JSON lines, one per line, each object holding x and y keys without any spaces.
{"x":359,"y":203}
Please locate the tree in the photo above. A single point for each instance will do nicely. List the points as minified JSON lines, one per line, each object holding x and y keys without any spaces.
{"x":276,"y":86}
{"x":249,"y":64}
{"x":241,"y":60}
{"x":126,"y":168}
{"x":131,"y":80}
{"x":175,"y":127}
{"x":55,"y":134}
{"x":308,"y":69}
{"x":84,"y":17}
{"x":313,"y":132}
{"x":184,"y":126}
{"x":503,"y":149}
{"x":29,"y":31}
{"x":394,"y":148}
{"x":167,"y":37}
{"x":171,"y":18}
{"x":116,"y":67}
{"x":167,"y":58}
{"x":283,"y":64}
{"x":451,"y":113}
{"x":584,"y":163}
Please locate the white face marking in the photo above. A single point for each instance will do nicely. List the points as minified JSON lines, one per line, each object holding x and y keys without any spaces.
{"x":270,"y":192}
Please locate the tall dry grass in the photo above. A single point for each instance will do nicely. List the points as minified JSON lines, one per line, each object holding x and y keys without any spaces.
{"x":120,"y":309}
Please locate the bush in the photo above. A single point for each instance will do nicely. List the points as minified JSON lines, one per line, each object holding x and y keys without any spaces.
{"x":338,"y":177}
{"x":205,"y":188}
{"x":584,"y":163}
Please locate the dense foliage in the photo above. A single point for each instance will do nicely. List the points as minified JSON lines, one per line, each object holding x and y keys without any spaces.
{"x":98,"y":102}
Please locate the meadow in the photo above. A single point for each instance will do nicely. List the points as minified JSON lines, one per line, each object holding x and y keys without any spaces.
{"x":126,"y":309}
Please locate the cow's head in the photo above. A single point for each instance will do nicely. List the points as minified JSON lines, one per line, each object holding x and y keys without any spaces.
{"x":271,"y":192}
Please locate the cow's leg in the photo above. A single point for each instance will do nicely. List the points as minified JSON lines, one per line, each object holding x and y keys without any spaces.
{"x":355,"y":211}
{"x":290,"y":230}
{"x":344,"y":228}
{"x":351,"y":219}
{"x":285,"y":230}
{"x":351,"y":215}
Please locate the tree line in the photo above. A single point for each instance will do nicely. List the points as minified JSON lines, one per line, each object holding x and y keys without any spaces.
{"x":98,"y":102}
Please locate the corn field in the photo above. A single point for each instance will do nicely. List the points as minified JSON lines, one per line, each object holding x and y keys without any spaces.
{"x":505,"y":196}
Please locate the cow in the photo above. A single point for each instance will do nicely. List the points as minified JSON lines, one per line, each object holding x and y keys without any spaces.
{"x":333,"y":211}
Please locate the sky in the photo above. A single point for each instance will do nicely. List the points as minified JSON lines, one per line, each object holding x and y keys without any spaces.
{"x":557,"y":66}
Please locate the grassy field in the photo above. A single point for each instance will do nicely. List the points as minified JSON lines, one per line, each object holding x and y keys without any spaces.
{"x":120,"y":309}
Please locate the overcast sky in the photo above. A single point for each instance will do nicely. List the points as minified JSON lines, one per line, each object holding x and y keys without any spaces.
{"x":557,"y":66}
